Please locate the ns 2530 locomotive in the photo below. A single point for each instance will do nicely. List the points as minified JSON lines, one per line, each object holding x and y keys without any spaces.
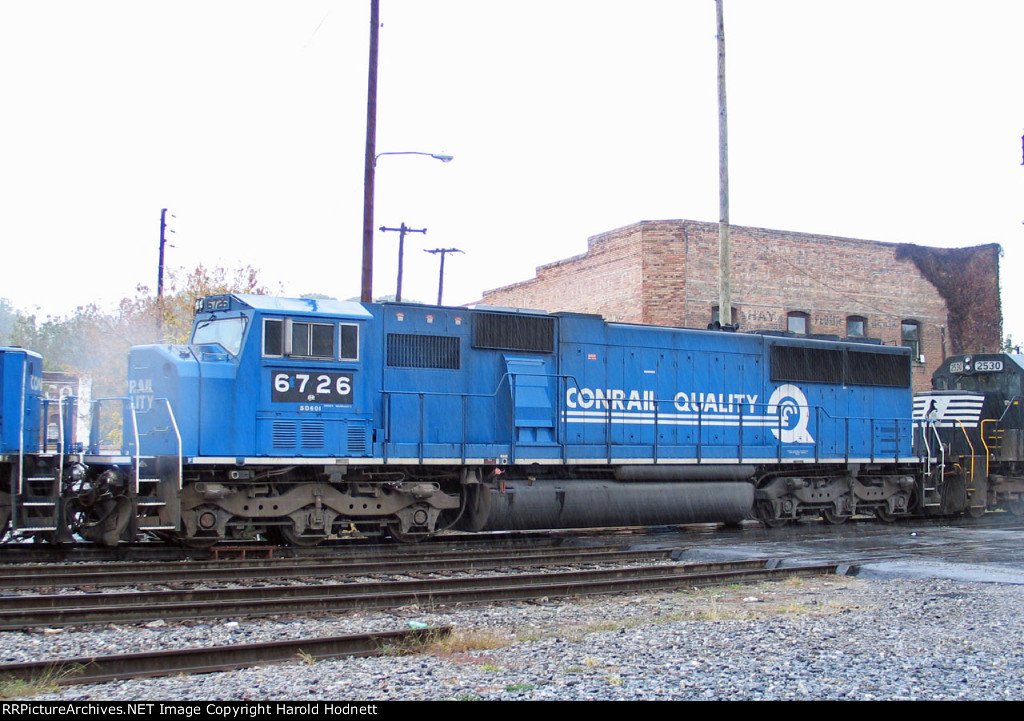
{"x":972,"y":425}
{"x":298,"y":420}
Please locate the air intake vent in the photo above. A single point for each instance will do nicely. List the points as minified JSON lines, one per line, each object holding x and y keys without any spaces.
{"x":285,"y":434}
{"x":356,"y":440}
{"x":313,"y":435}
{"x":514,"y":332}
{"x":423,"y":351}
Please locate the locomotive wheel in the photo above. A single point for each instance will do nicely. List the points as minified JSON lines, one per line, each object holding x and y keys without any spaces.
{"x":396,"y":532}
{"x":305,"y":540}
{"x":766,"y":514}
{"x":200,"y":543}
{"x":834,"y":518}
{"x":1016,"y":507}
{"x":885,"y":516}
{"x":974,"y":512}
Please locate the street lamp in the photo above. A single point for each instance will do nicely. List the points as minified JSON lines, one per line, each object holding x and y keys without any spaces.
{"x":436,"y":156}
{"x":366,"y":295}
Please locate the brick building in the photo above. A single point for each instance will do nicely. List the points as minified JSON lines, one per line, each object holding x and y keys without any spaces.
{"x":939,"y":301}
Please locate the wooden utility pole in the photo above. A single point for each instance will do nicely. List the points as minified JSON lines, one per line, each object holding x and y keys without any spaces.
{"x":160,"y":274}
{"x":440,"y":278}
{"x":366,"y":294}
{"x":724,"y":269}
{"x":401,"y":230}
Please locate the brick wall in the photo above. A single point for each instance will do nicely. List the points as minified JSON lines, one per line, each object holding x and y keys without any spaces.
{"x":608,"y":279}
{"x":666,"y":273}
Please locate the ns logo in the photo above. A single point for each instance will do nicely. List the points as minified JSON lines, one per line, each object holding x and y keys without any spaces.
{"x":789,"y":404}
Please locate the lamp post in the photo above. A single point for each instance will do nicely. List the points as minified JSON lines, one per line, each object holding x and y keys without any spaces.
{"x":436,"y":156}
{"x":370,"y":161}
{"x":366,"y":296}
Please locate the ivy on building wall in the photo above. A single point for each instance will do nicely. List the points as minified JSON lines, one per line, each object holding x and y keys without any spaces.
{"x":968,"y":280}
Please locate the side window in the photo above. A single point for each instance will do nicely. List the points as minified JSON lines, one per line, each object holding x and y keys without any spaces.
{"x":1012,"y":385}
{"x":349,"y":333}
{"x":910,"y":336}
{"x":856,"y":326}
{"x":273,"y":337}
{"x":298,"y":339}
{"x":797,"y":322}
{"x":312,"y":340}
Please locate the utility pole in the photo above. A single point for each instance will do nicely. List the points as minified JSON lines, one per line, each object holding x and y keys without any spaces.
{"x":440,"y":278}
{"x":163,"y":242}
{"x":160,"y":272}
{"x":724,"y":269}
{"x":402,"y":230}
{"x":370,"y":160}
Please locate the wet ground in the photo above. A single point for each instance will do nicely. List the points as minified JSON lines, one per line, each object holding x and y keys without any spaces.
{"x":988,"y":549}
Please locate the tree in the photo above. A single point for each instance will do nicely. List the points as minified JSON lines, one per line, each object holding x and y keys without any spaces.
{"x":96,"y":343}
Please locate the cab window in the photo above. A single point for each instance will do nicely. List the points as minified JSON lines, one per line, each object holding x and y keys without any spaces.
{"x":226,"y":332}
{"x":298,"y":339}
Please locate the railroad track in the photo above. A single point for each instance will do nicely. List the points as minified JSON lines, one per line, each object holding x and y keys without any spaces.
{"x":99,"y":575}
{"x":76,"y":609}
{"x":100,"y":669}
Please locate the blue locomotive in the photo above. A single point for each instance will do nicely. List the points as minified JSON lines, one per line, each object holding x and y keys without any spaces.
{"x":299,"y":420}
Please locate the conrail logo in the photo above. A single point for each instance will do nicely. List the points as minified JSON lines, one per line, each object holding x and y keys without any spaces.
{"x":786,"y":414}
{"x":789,"y":405}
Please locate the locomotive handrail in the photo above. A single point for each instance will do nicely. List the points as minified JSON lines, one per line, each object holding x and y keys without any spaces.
{"x":421,"y":395}
{"x":887,"y":425}
{"x":177,"y":434}
{"x":21,"y":428}
{"x":926,"y":424}
{"x":875,"y":421}
{"x":137,"y":456}
{"x":942,"y":449}
{"x":44,"y":427}
{"x":970,"y":445}
{"x":94,"y":432}
{"x":61,"y":449}
{"x":988,"y":449}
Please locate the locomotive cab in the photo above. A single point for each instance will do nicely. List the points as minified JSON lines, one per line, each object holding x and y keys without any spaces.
{"x":264,"y":397}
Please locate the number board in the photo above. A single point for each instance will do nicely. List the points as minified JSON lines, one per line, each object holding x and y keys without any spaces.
{"x":311,"y":387}
{"x":992,"y":366}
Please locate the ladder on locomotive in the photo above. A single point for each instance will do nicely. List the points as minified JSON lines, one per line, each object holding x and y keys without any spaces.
{"x":35,"y":508}
{"x":36,"y":504}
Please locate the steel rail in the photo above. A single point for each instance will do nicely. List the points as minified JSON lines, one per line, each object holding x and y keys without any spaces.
{"x":19,"y":612}
{"x":101,"y":669}
{"x":124,"y":574}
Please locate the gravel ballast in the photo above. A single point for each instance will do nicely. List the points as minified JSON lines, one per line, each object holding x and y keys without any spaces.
{"x":820,"y":638}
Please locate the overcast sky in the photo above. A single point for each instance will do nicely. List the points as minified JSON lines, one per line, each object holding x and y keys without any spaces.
{"x":892,"y":120}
